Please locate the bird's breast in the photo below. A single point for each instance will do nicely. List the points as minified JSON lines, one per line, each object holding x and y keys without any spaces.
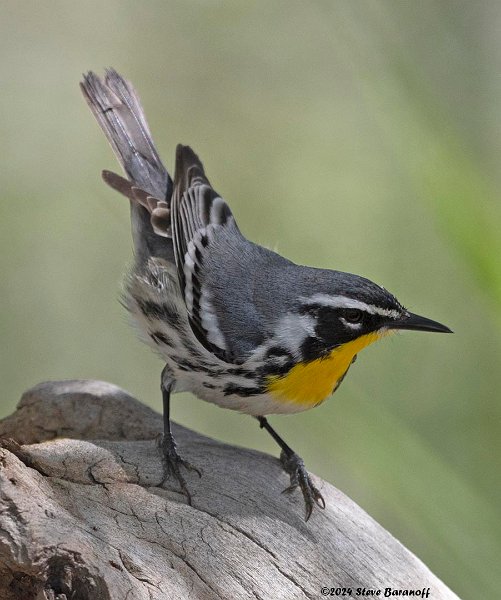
{"x":310,"y":383}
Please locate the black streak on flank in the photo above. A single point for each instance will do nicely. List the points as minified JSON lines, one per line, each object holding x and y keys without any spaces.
{"x":188,"y":365}
{"x":238,"y":390}
{"x":162,"y":312}
{"x":240,"y":372}
{"x":160,"y":338}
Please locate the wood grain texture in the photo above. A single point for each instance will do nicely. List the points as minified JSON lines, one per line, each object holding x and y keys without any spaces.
{"x":82,"y":516}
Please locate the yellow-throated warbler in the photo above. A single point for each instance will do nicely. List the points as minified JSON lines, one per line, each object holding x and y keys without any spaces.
{"x":236,"y":324}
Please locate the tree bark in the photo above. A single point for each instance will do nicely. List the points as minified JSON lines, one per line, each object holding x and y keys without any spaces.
{"x":82,"y":515}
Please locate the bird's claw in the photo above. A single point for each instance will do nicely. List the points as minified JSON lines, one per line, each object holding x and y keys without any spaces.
{"x":172,"y":463}
{"x":299,"y":477}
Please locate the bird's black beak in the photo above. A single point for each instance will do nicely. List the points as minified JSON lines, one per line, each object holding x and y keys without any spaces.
{"x":417,"y":323}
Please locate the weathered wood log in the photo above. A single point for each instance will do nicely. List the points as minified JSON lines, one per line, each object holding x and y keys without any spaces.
{"x":82,"y":516}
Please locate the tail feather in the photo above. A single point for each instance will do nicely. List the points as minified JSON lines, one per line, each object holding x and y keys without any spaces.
{"x":118,"y":111}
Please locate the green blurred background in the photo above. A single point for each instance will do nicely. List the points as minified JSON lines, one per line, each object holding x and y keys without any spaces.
{"x":359,"y":135}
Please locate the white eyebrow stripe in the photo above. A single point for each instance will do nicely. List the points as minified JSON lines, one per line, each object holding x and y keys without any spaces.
{"x":345,"y":302}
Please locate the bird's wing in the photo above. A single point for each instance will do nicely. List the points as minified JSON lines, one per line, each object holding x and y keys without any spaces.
{"x":198,"y":214}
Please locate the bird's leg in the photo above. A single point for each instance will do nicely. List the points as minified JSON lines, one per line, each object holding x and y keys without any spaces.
{"x":171,"y":460}
{"x":294,"y":466}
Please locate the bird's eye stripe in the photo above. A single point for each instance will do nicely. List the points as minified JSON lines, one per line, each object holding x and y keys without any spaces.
{"x":321,"y":300}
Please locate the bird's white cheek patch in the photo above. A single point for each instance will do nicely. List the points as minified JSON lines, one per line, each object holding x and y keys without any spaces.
{"x":292,"y":330}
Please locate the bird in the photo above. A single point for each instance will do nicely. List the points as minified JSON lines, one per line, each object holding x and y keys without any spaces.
{"x":234,"y":323}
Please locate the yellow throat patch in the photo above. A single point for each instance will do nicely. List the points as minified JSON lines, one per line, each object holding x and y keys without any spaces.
{"x":310,"y":383}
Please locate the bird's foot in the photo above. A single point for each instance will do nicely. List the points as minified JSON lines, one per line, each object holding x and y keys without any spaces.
{"x":172,"y":464}
{"x":294,"y":466}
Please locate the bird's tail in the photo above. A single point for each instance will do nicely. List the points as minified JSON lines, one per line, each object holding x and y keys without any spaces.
{"x":118,"y":111}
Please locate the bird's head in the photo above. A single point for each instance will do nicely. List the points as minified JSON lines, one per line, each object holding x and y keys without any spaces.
{"x":336,"y":315}
{"x":354,"y":308}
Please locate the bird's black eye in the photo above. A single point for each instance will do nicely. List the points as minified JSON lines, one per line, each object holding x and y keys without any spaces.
{"x":353,"y":315}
